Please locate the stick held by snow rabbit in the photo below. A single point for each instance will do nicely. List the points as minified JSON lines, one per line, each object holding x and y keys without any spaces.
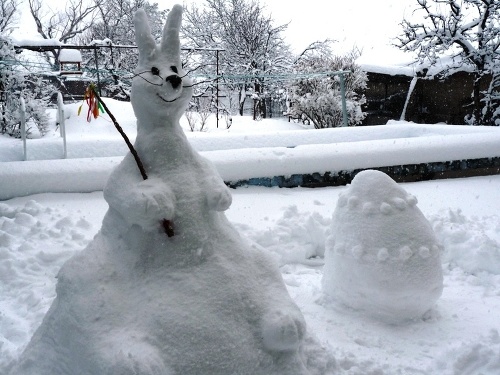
{"x":136,"y":301}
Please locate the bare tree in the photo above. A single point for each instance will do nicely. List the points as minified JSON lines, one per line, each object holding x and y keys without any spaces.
{"x":317,"y":48}
{"x":115,"y":20}
{"x":468,"y":32}
{"x":8,"y":15}
{"x":64,"y":25}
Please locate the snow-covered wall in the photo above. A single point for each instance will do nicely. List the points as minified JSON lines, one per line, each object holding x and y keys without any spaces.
{"x":242,"y":157}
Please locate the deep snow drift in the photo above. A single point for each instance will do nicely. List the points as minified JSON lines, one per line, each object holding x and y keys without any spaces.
{"x":382,"y":256}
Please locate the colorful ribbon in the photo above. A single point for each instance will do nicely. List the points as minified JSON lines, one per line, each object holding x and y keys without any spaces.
{"x":92,"y":102}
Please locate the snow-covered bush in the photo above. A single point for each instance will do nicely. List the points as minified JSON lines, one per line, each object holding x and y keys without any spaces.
{"x":15,"y":84}
{"x":200,"y":111}
{"x":318,"y":95}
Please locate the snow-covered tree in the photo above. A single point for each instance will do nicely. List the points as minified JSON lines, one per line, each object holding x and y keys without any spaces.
{"x":16,"y":83}
{"x":114,"y":26}
{"x":467,"y":32}
{"x":317,"y":95}
{"x":253,"y":46}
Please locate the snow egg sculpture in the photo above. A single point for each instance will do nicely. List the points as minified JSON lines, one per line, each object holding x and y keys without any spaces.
{"x":382,"y":257}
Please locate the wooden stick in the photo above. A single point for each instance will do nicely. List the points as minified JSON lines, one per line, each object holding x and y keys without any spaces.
{"x":166,"y":224}
{"x":120,"y":130}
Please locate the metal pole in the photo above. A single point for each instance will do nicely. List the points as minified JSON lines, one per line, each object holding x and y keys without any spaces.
{"x":342,"y":94}
{"x":97,"y":70}
{"x":217,"y":88}
{"x":22,"y":115}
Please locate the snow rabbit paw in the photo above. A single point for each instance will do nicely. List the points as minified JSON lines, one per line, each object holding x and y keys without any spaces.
{"x":219,"y":198}
{"x":283,"y":332}
{"x":156,"y":202}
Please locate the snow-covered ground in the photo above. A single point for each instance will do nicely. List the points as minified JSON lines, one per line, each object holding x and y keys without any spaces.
{"x":39,"y":232}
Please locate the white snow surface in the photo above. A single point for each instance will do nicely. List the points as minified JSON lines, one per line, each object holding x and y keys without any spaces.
{"x":460,"y":334}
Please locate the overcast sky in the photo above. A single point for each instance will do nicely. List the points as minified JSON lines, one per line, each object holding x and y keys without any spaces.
{"x":370,"y":25}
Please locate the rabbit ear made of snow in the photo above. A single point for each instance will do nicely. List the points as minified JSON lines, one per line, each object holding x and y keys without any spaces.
{"x":145,"y":42}
{"x":170,"y":43}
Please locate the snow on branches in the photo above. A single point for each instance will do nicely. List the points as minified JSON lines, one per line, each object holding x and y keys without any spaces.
{"x":318,"y":96}
{"x":467,"y":34}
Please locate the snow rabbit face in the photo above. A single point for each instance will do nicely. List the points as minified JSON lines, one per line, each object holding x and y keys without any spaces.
{"x":160,"y":86}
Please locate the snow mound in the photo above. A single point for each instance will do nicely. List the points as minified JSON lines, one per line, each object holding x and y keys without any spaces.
{"x":35,"y":241}
{"x":382,"y":256}
{"x":473,"y":245}
{"x":298,"y":237}
{"x":473,"y":357}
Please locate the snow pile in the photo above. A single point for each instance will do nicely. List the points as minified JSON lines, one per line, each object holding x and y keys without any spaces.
{"x":168,"y":286}
{"x":469,"y":244}
{"x":297,"y":237}
{"x":34,"y":243}
{"x":383,"y":256}
{"x":476,"y":357}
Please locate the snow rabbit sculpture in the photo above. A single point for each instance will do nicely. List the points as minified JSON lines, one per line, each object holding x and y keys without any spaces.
{"x":136,"y":301}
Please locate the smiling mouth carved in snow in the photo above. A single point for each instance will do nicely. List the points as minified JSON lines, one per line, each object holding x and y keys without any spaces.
{"x":165,"y":100}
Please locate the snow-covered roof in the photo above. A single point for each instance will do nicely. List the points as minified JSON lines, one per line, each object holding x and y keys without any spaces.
{"x":392,"y":70}
{"x":410,"y":69}
{"x":70,"y":55}
{"x":37,"y":42}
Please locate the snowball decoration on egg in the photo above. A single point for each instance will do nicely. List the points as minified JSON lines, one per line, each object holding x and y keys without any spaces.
{"x":382,"y":256}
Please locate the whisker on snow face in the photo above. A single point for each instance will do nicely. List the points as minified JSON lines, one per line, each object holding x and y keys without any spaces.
{"x":199,"y":83}
{"x":148,"y":81}
{"x":161,"y":84}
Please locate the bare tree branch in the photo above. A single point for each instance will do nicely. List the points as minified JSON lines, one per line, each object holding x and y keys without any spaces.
{"x":63,"y":25}
{"x":8,"y":15}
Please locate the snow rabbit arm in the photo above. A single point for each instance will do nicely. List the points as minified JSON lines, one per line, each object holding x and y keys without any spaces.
{"x":142,"y":202}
